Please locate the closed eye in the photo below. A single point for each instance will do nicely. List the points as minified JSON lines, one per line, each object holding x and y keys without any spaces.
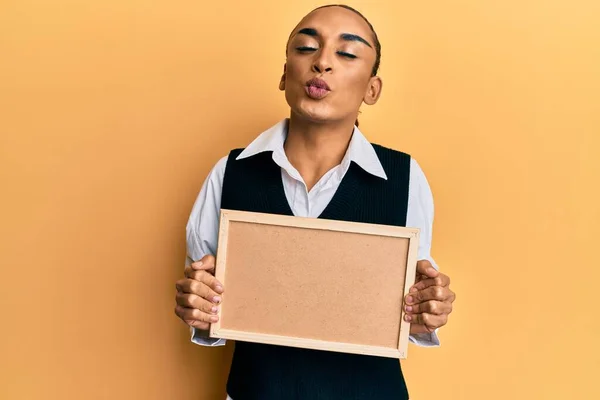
{"x":344,"y":54}
{"x":305,"y":49}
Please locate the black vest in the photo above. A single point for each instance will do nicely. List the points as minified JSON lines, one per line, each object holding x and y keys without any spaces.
{"x":267,"y":372}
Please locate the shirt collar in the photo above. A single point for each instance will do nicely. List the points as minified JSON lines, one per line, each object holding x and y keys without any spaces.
{"x":359,"y":150}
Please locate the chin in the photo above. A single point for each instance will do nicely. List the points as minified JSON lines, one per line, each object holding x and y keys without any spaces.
{"x":317,"y":119}
{"x":316,"y":113}
{"x":307,"y":109}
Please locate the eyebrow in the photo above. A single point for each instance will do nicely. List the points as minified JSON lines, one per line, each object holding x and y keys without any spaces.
{"x":349,"y":37}
{"x":354,"y":38}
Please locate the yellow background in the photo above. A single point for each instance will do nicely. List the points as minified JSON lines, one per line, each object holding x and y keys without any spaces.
{"x":113,"y":112}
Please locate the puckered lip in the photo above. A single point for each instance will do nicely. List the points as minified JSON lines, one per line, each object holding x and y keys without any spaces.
{"x":317,"y":82}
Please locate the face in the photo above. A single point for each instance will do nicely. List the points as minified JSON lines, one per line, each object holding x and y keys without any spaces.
{"x":330,"y":58}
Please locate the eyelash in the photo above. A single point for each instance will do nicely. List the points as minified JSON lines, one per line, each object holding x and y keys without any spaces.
{"x":305,"y":49}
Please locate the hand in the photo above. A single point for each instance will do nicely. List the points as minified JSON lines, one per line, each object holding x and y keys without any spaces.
{"x":429,"y":301}
{"x":198,"y":294}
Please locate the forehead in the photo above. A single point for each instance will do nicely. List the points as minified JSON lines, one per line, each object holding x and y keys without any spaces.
{"x":334,"y":21}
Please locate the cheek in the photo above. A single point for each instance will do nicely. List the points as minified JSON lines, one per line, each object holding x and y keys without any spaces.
{"x":295,"y":74}
{"x":295,"y":77}
{"x":354,"y":87}
{"x":296,"y":67}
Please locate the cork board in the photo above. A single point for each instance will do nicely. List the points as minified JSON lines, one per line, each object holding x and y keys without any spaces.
{"x":313,"y":283}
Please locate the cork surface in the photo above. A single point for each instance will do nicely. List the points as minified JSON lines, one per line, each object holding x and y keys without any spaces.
{"x":315,"y":284}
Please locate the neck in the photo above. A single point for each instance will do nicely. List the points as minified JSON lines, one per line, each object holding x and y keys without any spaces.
{"x":313,"y":149}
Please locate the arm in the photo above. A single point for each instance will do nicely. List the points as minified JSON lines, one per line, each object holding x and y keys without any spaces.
{"x":202,"y":233}
{"x":422,"y":306}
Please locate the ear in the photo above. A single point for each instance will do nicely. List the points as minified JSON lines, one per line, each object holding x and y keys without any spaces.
{"x":373,"y":90}
{"x":282,"y":81}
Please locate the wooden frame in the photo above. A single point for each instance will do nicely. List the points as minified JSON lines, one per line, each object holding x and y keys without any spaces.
{"x":243,"y":237}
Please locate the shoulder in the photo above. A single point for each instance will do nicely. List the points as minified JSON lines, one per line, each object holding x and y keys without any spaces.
{"x":418,"y":180}
{"x":396,"y":164}
{"x":218,"y":170}
{"x":393,"y":161}
{"x":233,"y":154}
{"x":389,"y":152}
{"x":416,"y":169}
{"x":420,"y":185}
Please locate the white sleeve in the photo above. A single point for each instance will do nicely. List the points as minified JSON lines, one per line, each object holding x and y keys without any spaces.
{"x":202,"y":232}
{"x":420,"y":215}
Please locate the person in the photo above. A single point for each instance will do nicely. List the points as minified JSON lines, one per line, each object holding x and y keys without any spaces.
{"x":317,"y":163}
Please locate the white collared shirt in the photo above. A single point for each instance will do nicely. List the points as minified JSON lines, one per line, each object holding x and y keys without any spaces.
{"x":203,"y":224}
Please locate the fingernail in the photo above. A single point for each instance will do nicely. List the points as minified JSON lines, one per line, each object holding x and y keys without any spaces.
{"x":219,"y":288}
{"x":408,"y":308}
{"x":197,"y":264}
{"x":409,"y":299}
{"x":413,"y":289}
{"x":214,"y":318}
{"x":214,"y":309}
{"x":216,"y":299}
{"x":407,"y":317}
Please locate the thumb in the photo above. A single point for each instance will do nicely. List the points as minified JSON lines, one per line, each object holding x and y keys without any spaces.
{"x":206,"y":263}
{"x":424,"y":267}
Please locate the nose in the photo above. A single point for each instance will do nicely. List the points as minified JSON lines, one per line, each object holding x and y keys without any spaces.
{"x":322,"y":63}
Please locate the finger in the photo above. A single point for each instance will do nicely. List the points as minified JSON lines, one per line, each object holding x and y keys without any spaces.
{"x":430,"y":307}
{"x":419,"y":329}
{"x":431,"y":293}
{"x":203,"y":326}
{"x":205,"y":263}
{"x":194,"y":317}
{"x":429,"y":321}
{"x":210,"y":281}
{"x":198,"y":288}
{"x":424,"y":267}
{"x":440,"y":280}
{"x":205,"y":277}
{"x":197,"y":302}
